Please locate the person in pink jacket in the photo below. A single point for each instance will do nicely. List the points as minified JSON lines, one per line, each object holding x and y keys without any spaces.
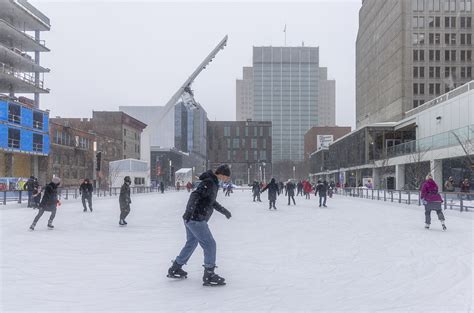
{"x":432,"y":201}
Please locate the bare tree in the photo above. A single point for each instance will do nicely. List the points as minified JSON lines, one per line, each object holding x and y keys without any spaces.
{"x":417,"y":168}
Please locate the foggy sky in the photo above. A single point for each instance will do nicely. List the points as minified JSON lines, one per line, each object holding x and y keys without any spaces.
{"x":106,"y":54}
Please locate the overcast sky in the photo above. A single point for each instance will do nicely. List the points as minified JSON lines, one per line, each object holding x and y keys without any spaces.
{"x":105,"y":54}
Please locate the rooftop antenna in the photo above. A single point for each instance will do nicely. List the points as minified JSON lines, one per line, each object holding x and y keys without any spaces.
{"x":284,"y":30}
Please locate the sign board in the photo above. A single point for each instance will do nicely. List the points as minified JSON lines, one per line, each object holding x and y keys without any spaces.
{"x":323,"y":141}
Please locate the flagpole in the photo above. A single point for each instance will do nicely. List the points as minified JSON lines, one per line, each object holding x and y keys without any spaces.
{"x":284,"y":30}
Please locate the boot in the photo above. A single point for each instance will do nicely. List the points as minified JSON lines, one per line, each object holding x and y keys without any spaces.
{"x":32,"y":227}
{"x":427,"y":226}
{"x":121,"y":223}
{"x":50,"y":225}
{"x":212,"y":279}
{"x":176,"y":271}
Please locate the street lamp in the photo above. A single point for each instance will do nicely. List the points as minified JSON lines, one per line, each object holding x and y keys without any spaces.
{"x":171,"y":179}
{"x":264,"y":178}
{"x":294,"y":172}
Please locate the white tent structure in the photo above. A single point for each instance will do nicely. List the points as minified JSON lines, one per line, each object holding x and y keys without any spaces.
{"x":139,"y":172}
{"x":184,"y":176}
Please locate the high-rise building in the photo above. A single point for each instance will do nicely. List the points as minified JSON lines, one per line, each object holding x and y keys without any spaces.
{"x":24,"y":137}
{"x":409,"y":52}
{"x":244,"y":95}
{"x":288,"y":92}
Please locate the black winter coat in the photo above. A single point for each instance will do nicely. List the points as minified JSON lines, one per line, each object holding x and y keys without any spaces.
{"x":273,"y":190}
{"x":86,"y":189}
{"x":202,"y":201}
{"x":290,"y":189}
{"x":256,"y":188}
{"x":124,"y":198}
{"x":50,"y":197}
{"x":30,"y":185}
{"x":322,"y":189}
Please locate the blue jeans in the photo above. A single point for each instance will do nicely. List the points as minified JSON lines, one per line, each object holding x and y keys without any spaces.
{"x":198,"y":232}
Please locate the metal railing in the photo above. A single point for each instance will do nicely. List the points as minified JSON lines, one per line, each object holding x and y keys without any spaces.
{"x":21,"y":196}
{"x":24,"y":76}
{"x":446,"y":139}
{"x":13,"y":118}
{"x":13,"y":143}
{"x":461,"y":201}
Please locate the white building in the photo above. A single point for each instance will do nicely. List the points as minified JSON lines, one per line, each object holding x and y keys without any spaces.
{"x":138,"y":171}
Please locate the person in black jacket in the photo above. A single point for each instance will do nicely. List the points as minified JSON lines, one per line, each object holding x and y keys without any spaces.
{"x":299,"y":188}
{"x":162,"y":187}
{"x":85,"y":190}
{"x":273,"y":191}
{"x":290,"y":191}
{"x":48,"y":203}
{"x":256,"y":191}
{"x":201,"y":205}
{"x":124,"y":200}
{"x":30,"y":187}
{"x":322,"y":189}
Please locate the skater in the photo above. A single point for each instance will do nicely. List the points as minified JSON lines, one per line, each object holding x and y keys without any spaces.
{"x":321,"y":189}
{"x":307,"y":188}
{"x":299,"y":188}
{"x":162,"y":187}
{"x":229,"y":190}
{"x":124,"y":200}
{"x":86,"y":190}
{"x":30,"y":187}
{"x":256,"y":191}
{"x":37,"y":197}
{"x":199,"y":209}
{"x":189,"y":186}
{"x":281,"y":186}
{"x":465,"y":188}
{"x":273,"y":192}
{"x":290,"y":191}
{"x":49,"y":202}
{"x":432,"y":201}
{"x":178,"y":186}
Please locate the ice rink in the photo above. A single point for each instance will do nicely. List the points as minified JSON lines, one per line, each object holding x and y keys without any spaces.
{"x":356,"y":255}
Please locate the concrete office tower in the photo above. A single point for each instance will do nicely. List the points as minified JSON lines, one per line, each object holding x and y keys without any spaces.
{"x":409,"y":52}
{"x":327,"y":99}
{"x":244,"y":95}
{"x":287,"y":92}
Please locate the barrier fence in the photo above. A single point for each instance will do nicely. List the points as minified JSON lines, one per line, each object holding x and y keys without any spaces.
{"x":21,"y":196}
{"x":461,"y":201}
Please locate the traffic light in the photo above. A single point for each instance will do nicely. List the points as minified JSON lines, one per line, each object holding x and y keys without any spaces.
{"x":98,"y":158}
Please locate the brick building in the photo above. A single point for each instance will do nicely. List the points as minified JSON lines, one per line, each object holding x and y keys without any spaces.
{"x":245,"y":146}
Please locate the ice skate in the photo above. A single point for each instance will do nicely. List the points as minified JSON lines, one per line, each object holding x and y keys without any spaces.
{"x":444,"y":227}
{"x":212,"y":279}
{"x":50,"y":225}
{"x":176,"y":271}
{"x":427,"y":226}
{"x":32,"y":227}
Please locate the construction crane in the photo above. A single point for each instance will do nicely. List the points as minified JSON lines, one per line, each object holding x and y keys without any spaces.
{"x":185,"y":92}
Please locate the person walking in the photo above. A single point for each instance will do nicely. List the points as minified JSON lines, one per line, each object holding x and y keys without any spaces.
{"x":290,"y":191}
{"x":162,"y":187}
{"x":125,"y":200}
{"x":256,"y":191}
{"x":229,"y":189}
{"x":49,"y":203}
{"x":30,"y":187}
{"x":321,"y":190}
{"x":432,"y":201}
{"x":201,"y":204}
{"x":86,"y":190}
{"x":273,"y":192}
{"x":466,"y":188}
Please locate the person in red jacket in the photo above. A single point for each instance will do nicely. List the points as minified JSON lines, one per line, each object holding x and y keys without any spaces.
{"x":307,"y":188}
{"x":432,"y":201}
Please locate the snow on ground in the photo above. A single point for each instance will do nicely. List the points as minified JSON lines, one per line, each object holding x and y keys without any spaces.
{"x":357,"y":255}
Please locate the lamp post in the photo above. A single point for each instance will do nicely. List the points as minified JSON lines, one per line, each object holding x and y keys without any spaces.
{"x":294,"y":172}
{"x":248,"y":173}
{"x":171,"y":174}
{"x":264,"y":178}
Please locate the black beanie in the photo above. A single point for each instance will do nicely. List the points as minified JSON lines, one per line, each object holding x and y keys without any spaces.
{"x":223,"y":170}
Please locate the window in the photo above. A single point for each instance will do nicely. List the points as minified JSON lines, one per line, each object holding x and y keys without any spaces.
{"x":450,"y":22}
{"x":435,"y":55}
{"x":450,"y":5}
{"x":14,"y":113}
{"x":13,"y":138}
{"x":435,"y":39}
{"x":228,"y":155}
{"x":243,"y":143}
{"x":236,"y":143}
{"x":237,"y":131}
{"x":415,"y":72}
{"x":419,"y":55}
{"x":418,"y":22}
{"x":246,"y":155}
{"x":261,"y":131}
{"x":466,"y":72}
{"x":228,"y":143}
{"x":246,"y":131}
{"x":466,"y":39}
{"x":466,"y":55}
{"x":418,"y":38}
{"x":422,"y":89}
{"x":465,"y":5}
{"x":37,"y":120}
{"x":415,"y":89}
{"x":124,"y":132}
{"x":226,"y":131}
{"x":255,"y":155}
{"x":254,"y":143}
{"x":255,"y":131}
{"x":124,"y":145}
{"x":450,"y":39}
{"x":418,"y":5}
{"x":432,"y":72}
{"x":466,"y":22}
{"x":450,"y":55}
{"x":415,"y":103}
{"x":263,"y":155}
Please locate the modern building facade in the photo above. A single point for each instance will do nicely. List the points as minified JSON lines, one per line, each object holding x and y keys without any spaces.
{"x":191,"y":130}
{"x":409,"y":52}
{"x":244,"y":95}
{"x":72,"y":153}
{"x":318,"y":138}
{"x":435,"y":138}
{"x":245,"y":146}
{"x":287,"y":92}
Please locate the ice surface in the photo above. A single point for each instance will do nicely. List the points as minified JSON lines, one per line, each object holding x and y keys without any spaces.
{"x":358,"y":255}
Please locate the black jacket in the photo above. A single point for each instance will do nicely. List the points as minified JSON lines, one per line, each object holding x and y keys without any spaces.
{"x":202,"y":201}
{"x":290,"y":189}
{"x":124,"y":198}
{"x":322,"y":189}
{"x":273,"y":190}
{"x":50,"y":197}
{"x":86,"y":189}
{"x":256,"y":188}
{"x":30,"y":185}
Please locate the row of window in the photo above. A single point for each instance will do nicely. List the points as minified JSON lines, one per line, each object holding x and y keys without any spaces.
{"x":136,"y":135}
{"x":433,"y":89}
{"x":465,"y":22}
{"x":65,"y":139}
{"x":256,"y":131}
{"x":435,"y":72}
{"x":14,"y":140}
{"x":447,"y":5}
{"x":418,"y":39}
{"x":15,"y":116}
{"x":137,"y":147}
{"x":256,"y":156}
{"x":73,"y":160}
{"x":238,"y":143}
{"x":449,"y":55}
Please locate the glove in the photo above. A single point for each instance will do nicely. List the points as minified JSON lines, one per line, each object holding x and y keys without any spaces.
{"x":187,"y":216}
{"x":227,"y":214}
{"x":59,"y":203}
